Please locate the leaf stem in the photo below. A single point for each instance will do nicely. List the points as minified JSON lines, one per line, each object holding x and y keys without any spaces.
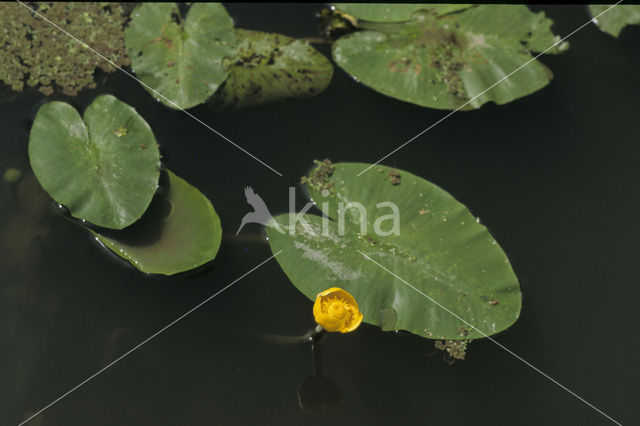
{"x":311,"y":336}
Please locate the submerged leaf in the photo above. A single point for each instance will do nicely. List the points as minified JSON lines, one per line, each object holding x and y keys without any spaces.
{"x":614,"y":19}
{"x":271,"y":67}
{"x":441,"y":250}
{"x":103,"y":169}
{"x":179,"y":232}
{"x":449,"y":61}
{"x":183,"y":61}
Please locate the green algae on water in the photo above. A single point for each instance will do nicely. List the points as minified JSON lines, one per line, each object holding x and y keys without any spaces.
{"x":36,"y":53}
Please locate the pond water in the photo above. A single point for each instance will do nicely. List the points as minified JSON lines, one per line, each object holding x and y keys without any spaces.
{"x":551,"y":175}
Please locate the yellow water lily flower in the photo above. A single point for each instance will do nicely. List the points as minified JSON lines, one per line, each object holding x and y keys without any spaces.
{"x":337,"y":310}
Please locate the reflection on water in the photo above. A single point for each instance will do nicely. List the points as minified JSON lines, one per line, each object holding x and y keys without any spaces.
{"x":118,"y":343}
{"x":25,"y":208}
{"x":317,"y":393}
{"x":24,"y":297}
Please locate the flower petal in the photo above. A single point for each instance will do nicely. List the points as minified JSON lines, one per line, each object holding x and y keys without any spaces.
{"x":323,"y":315}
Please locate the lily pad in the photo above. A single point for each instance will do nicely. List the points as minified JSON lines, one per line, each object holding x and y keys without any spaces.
{"x":615,"y":19}
{"x":271,"y":67}
{"x":448,"y":61}
{"x":103,"y":166}
{"x":440,"y":248}
{"x":179,"y":232}
{"x":381,"y":12}
{"x":181,"y":60}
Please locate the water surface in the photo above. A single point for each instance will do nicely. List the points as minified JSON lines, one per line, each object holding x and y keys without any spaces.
{"x":553,"y":176}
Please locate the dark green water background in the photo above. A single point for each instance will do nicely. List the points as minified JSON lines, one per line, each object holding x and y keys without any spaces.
{"x":554,"y":176}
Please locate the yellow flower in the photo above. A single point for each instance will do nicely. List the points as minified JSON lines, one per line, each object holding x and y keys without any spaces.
{"x":337,"y":310}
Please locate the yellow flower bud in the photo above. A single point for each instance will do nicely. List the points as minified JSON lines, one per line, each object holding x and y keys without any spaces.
{"x":337,"y":310}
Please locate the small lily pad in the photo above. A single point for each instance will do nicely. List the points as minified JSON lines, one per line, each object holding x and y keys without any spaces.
{"x":104,"y":166}
{"x":616,"y":18}
{"x":181,"y":60}
{"x":180,"y":231}
{"x":271,"y":67}
{"x":447,"y":61}
{"x":440,"y":249}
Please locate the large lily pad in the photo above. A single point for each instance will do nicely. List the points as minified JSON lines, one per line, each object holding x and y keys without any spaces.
{"x":103,"y":169}
{"x":615,"y":18}
{"x":448,"y":61}
{"x":271,"y":67}
{"x":441,"y":249}
{"x":181,"y":60}
{"x":385,"y":12}
{"x":179,"y":232}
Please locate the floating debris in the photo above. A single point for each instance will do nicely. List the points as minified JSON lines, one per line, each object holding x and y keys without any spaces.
{"x":457,"y":349}
{"x":318,"y":179}
{"x":394,"y":177}
{"x":120,"y":131}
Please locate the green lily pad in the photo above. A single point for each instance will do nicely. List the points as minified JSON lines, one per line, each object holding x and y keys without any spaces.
{"x":381,"y":12}
{"x":448,"y":61}
{"x":271,"y":67}
{"x":179,"y":232}
{"x":615,"y":19}
{"x":181,"y":60}
{"x":440,"y":248}
{"x":103,"y":169}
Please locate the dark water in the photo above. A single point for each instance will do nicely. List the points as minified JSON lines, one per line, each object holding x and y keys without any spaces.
{"x":554,"y":177}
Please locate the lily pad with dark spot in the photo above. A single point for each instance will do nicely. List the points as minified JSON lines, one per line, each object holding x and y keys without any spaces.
{"x":387,"y":12}
{"x":456,"y":60}
{"x":180,"y":59}
{"x":271,"y":67}
{"x":443,"y":272}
